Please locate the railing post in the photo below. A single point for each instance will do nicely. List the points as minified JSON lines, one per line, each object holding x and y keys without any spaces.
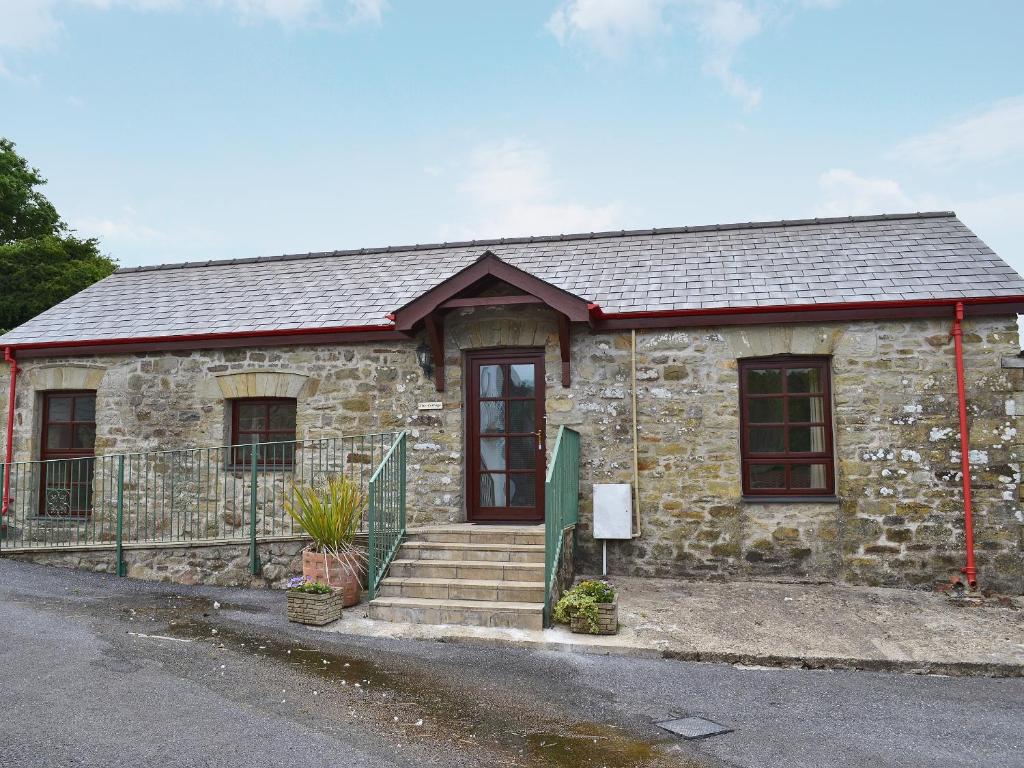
{"x":371,"y":541}
{"x":255,"y":567}
{"x":122,"y":567}
{"x":401,"y":484}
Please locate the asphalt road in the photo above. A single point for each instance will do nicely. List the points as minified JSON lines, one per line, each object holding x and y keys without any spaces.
{"x":98,"y":671}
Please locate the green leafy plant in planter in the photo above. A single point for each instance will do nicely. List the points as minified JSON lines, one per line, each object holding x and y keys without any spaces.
{"x":581,"y":603}
{"x":330,"y":514}
{"x":307,"y":587}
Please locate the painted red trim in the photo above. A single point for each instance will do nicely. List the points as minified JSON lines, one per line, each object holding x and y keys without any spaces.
{"x":9,"y":447}
{"x":969,"y":570}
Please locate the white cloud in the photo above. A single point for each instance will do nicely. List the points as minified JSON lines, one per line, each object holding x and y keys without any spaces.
{"x":994,"y":134}
{"x":845,"y":193}
{"x":722,"y":27}
{"x":27,"y":24}
{"x":123,"y":230}
{"x":513,"y":192}
{"x":610,"y":26}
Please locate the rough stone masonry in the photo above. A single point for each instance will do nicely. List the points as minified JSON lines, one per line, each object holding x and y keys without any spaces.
{"x":898,"y":522}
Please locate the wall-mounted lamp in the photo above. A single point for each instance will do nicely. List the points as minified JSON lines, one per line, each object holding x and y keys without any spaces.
{"x":426,"y":359}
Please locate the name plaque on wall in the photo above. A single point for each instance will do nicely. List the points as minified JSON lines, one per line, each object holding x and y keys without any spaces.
{"x":436,"y":405}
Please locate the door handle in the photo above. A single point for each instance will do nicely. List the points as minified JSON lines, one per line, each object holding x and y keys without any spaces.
{"x":540,"y":439}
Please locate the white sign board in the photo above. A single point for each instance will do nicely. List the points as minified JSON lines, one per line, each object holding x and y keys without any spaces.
{"x":436,"y":405}
{"x":613,"y":511}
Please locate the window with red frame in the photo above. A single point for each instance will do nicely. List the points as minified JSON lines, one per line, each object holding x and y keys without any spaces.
{"x":786,"y":421}
{"x":68,"y":446}
{"x":268,"y":422}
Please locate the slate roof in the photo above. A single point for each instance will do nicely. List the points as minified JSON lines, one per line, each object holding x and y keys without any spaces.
{"x":868,"y":258}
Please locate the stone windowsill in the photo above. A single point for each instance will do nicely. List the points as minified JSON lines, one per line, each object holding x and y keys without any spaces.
{"x":789,"y":499}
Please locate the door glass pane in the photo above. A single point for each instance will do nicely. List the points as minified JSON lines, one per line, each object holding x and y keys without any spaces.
{"x":764,"y":409}
{"x":492,"y":417}
{"x":521,"y":380}
{"x":58,"y":437}
{"x":491,"y":381}
{"x":807,"y":476}
{"x":766,"y":440}
{"x":85,"y":408}
{"x":764,"y":381}
{"x":806,"y":409}
{"x":84,"y":437}
{"x":522,"y":490}
{"x":492,"y":453}
{"x":804,"y":439}
{"x":282,"y":416}
{"x":767,"y":476}
{"x":522,"y":416}
{"x":523,"y":452}
{"x":804,"y":379}
{"x":59,"y":409}
{"x":492,"y":490}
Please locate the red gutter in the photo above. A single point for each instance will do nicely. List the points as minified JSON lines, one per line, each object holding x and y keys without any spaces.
{"x":201,"y":337}
{"x":9,"y":447}
{"x":600,"y":314}
{"x":965,"y":446}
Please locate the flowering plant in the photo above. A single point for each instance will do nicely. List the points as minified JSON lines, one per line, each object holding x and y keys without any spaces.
{"x":302,"y":584}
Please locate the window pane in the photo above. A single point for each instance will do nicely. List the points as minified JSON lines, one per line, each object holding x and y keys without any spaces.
{"x":282,"y":416}
{"x":523,"y":452}
{"x":765,"y":409}
{"x":804,"y":380}
{"x":805,"y":439}
{"x":808,"y":476}
{"x":492,"y":490}
{"x":85,"y":408}
{"x":806,"y":409}
{"x":767,"y":476}
{"x":491,"y":381}
{"x":522,"y":416}
{"x":521,"y":380}
{"x":522,"y":490}
{"x":492,"y":417}
{"x":59,"y":409}
{"x":492,"y":453}
{"x":251,"y":416}
{"x":84,"y":437}
{"x":58,"y":437}
{"x":766,"y":440}
{"x":764,"y":381}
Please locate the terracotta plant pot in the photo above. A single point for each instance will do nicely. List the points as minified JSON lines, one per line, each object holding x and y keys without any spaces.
{"x":327,"y":569}
{"x":607,"y":621}
{"x":316,"y":610}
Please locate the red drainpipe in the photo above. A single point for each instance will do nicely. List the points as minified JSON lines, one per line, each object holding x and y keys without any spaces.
{"x":965,"y":446}
{"x":9,"y":448}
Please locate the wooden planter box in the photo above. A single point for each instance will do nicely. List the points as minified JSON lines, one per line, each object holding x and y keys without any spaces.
{"x":607,"y":621}
{"x":317,"y":610}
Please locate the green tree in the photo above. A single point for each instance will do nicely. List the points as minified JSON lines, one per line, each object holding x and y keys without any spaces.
{"x":42,"y":262}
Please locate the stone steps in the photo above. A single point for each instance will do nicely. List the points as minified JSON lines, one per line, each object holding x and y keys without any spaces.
{"x":488,"y":576}
{"x":464,"y":589}
{"x":467,"y":569}
{"x":477,"y":613}
{"x":443,"y":550}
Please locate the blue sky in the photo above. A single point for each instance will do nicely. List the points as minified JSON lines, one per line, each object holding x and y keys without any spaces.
{"x":195,"y":129}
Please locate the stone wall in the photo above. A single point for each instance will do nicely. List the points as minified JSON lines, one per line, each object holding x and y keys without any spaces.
{"x":221,"y":565}
{"x":899,"y":519}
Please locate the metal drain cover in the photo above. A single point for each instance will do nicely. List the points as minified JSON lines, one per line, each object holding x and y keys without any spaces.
{"x":693,"y":727}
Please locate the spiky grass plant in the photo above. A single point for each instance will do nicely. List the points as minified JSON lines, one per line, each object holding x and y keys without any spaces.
{"x":330,"y":514}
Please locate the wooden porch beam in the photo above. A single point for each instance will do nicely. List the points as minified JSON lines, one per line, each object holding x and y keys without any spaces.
{"x":565,"y":346}
{"x":435,"y":337}
{"x":488,"y":301}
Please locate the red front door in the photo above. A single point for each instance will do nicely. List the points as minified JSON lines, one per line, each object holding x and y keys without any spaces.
{"x":68,"y":445}
{"x":505,"y":436}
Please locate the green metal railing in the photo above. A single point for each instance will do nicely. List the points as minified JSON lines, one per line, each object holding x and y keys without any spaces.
{"x":386,"y":527}
{"x":561,"y":506}
{"x":232,"y":493}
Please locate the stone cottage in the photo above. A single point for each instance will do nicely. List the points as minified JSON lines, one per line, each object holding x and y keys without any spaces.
{"x":785,"y":399}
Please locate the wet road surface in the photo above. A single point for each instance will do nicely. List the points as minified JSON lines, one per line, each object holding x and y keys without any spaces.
{"x":99,"y":671}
